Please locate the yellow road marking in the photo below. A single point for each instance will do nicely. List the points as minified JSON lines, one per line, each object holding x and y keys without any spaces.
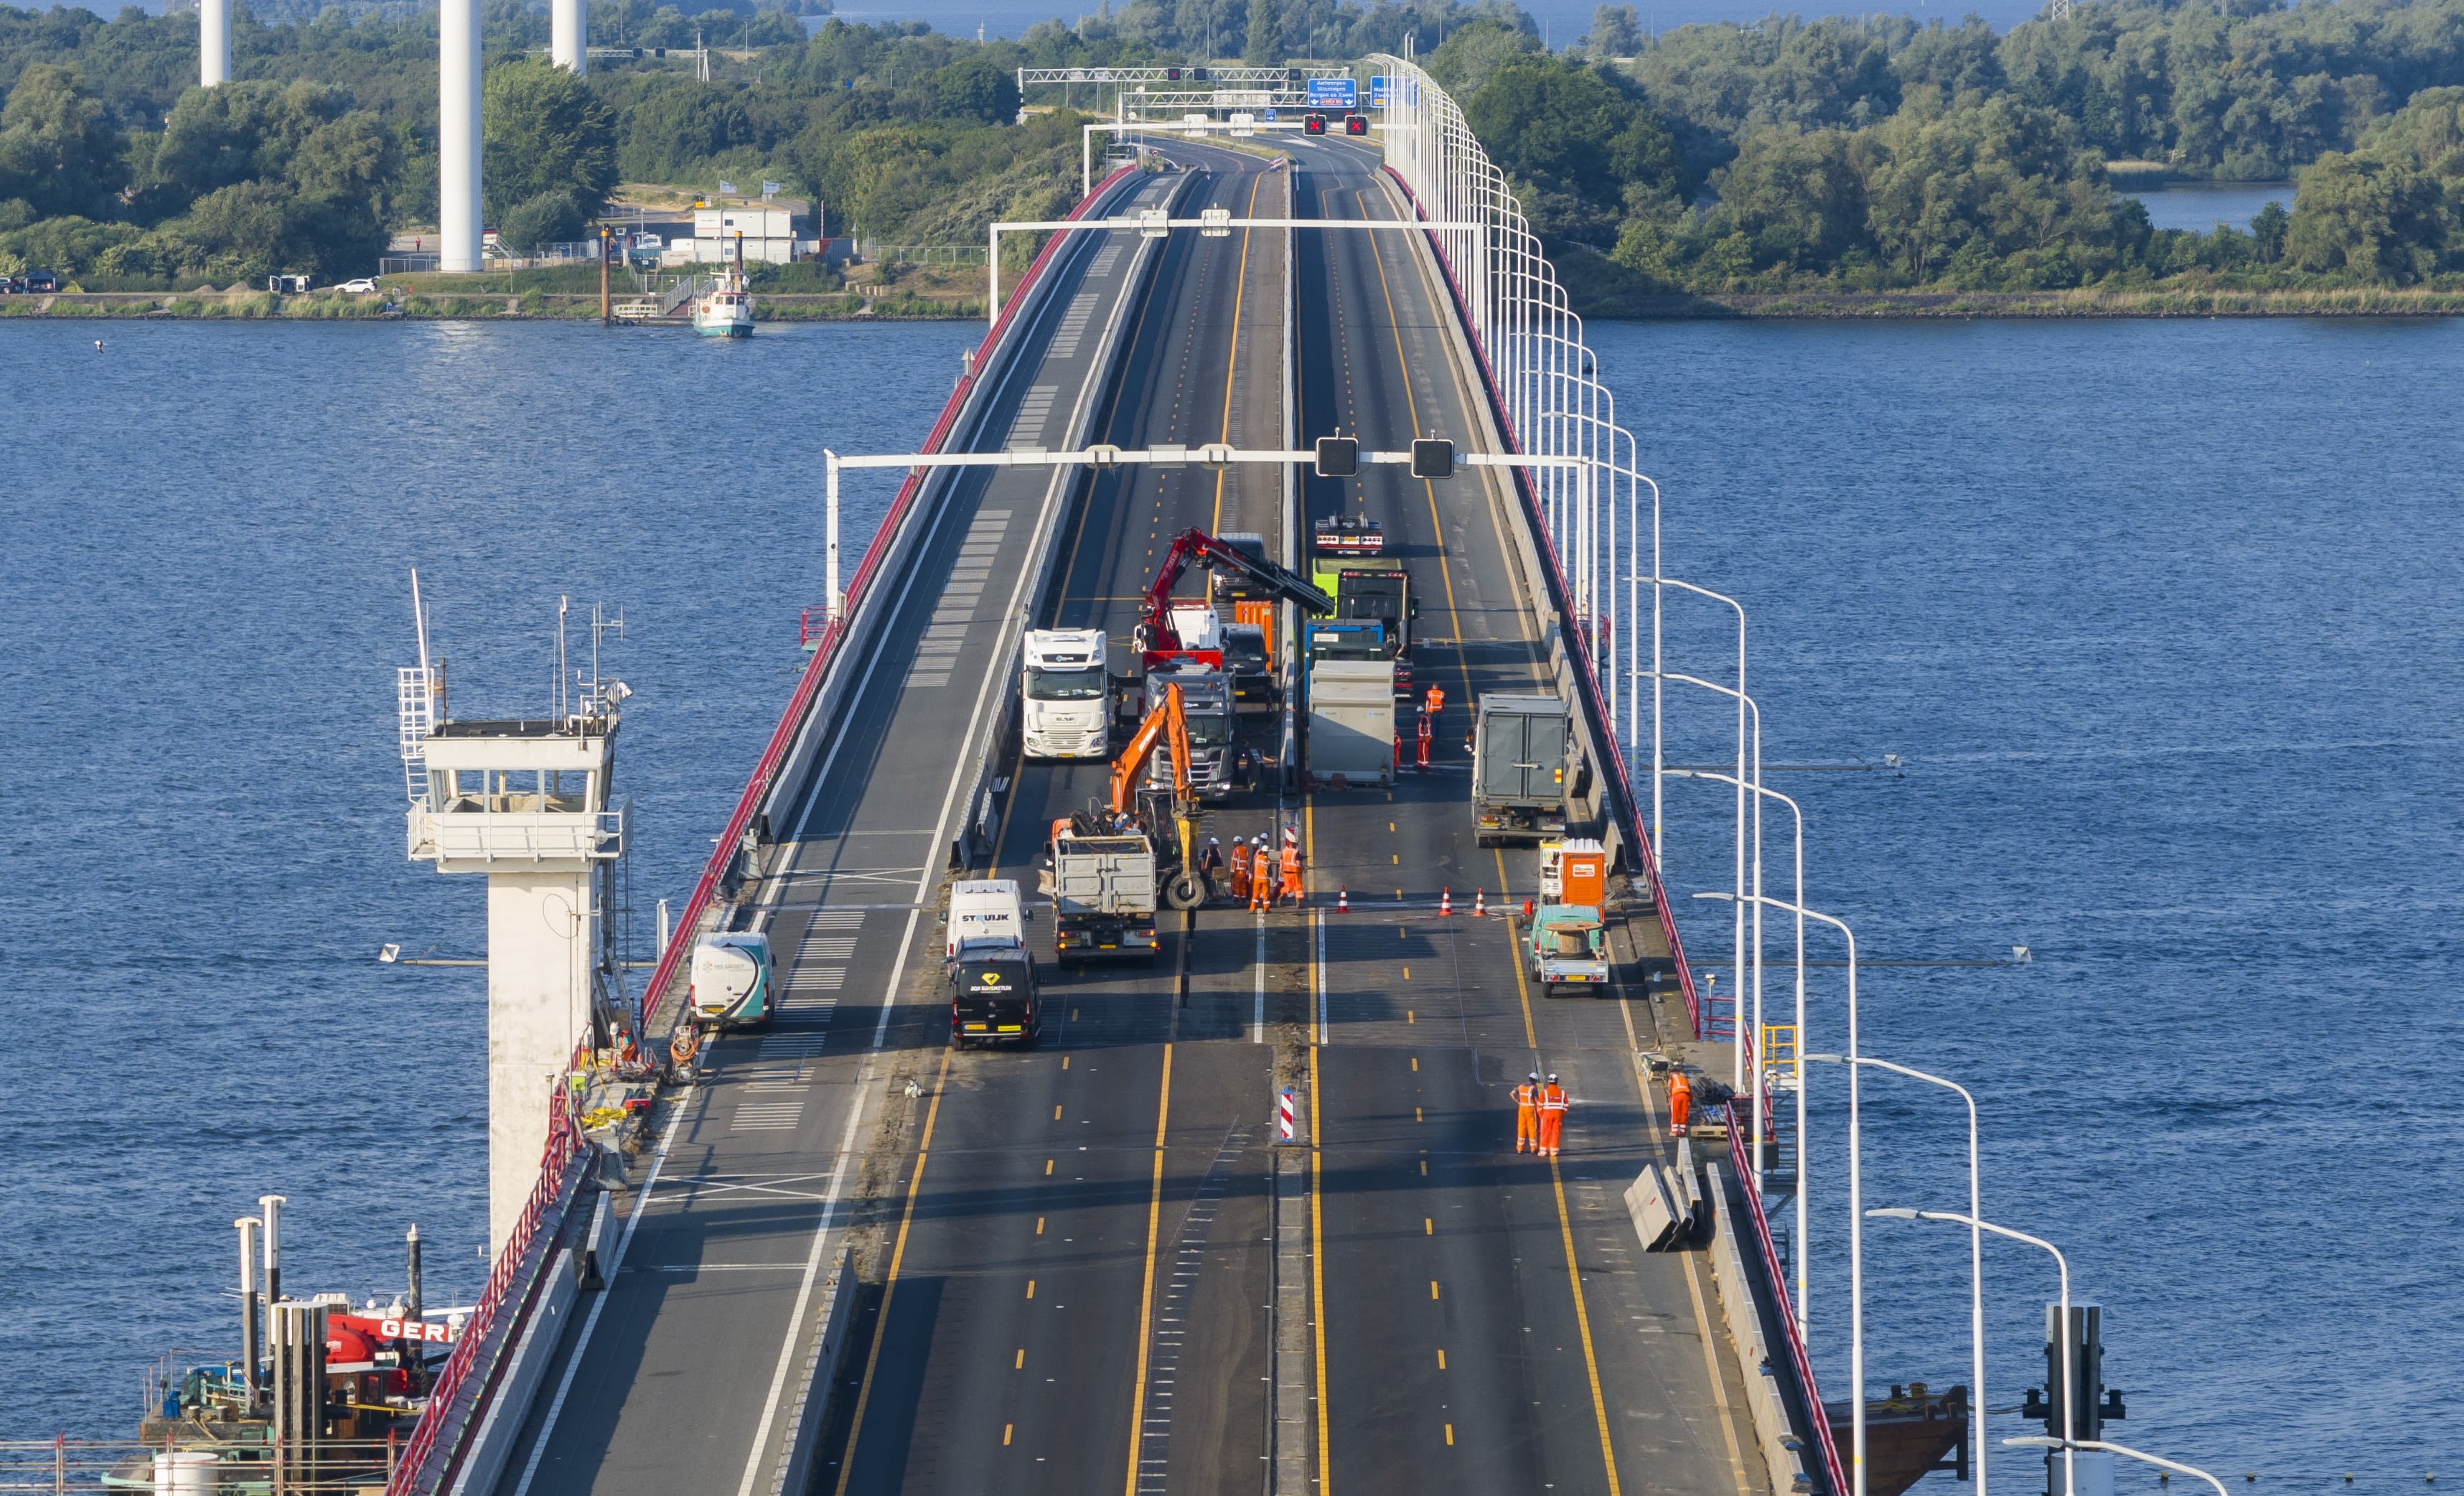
{"x":889,"y":1284}
{"x":1415,"y":1059}
{"x":1450,"y":1436}
{"x":1039,"y":1230}
{"x":1429,"y":1227}
{"x":1030,"y":1287}
{"x":1232,"y":352}
{"x":1019,"y":1364}
{"x":1441,"y":1358}
{"x":1317,"y":1277}
{"x":1583,"y":1326}
{"x":1008,"y":1428}
{"x":1146,"y":1290}
{"x":1048,"y":1168}
{"x":1056,"y":1112}
{"x":1065,"y":1062}
{"x":1433,"y":1287}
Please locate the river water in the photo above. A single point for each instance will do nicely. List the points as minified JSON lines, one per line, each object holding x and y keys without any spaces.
{"x":2162,"y":618}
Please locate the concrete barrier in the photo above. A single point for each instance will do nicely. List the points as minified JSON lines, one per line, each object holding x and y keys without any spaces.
{"x":810,"y":1412}
{"x":502,"y":1429}
{"x":1781,"y":1447}
{"x":1657,"y":1217}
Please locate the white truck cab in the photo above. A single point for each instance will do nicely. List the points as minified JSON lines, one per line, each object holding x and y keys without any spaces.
{"x":1067,"y":695}
{"x":733,"y":979}
{"x":985,"y":914}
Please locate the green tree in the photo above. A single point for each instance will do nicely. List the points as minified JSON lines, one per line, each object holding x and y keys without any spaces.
{"x":59,"y":148}
{"x":2372,"y":220}
{"x":975,"y":88}
{"x":1616,"y":32}
{"x":545,"y":133}
{"x":1264,"y":46}
{"x":1799,"y":197}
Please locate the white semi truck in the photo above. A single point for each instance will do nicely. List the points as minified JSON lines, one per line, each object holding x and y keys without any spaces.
{"x":1067,"y":695}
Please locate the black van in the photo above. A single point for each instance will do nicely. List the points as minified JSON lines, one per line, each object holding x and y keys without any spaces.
{"x":993,"y":998}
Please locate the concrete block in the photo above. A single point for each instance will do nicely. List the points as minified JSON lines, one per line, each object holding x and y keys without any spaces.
{"x":1657,"y":1217}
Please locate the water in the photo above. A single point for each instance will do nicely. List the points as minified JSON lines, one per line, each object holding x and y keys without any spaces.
{"x":2164,"y":617}
{"x":204,"y":598}
{"x":2201,"y":205}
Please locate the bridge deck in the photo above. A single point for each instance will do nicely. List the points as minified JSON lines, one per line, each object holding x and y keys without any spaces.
{"x":1069,"y":1254}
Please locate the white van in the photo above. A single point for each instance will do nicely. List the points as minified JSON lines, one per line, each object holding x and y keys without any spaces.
{"x":733,"y":979}
{"x":985,"y":914}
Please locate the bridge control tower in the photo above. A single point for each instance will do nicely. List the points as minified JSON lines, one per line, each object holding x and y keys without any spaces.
{"x":525,"y":802}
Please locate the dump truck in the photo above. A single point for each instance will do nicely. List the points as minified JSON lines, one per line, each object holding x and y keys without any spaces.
{"x":1521,"y":753}
{"x":1103,"y":889}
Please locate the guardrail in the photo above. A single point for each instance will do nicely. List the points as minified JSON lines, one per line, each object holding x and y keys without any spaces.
{"x":1513,"y":289}
{"x":457,"y":1400}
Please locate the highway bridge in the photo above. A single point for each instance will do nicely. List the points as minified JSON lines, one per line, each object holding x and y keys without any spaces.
{"x":853,"y":1259}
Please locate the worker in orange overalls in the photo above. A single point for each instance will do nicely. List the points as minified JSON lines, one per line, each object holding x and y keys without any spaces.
{"x":1681,"y":1101}
{"x":1291,"y":864}
{"x":1239,"y":871}
{"x":1553,"y":1116}
{"x":1261,"y":875}
{"x":1425,"y":720}
{"x":1435,"y":701}
{"x":1526,"y":1115}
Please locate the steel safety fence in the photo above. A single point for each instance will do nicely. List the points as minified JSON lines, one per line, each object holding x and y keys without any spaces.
{"x":1601,"y":520}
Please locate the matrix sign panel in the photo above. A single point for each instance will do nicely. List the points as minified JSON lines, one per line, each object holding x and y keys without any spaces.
{"x":1378,"y":92}
{"x":1333,"y":93}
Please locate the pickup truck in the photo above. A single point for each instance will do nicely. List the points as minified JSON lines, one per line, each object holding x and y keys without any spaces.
{"x":1567,"y":948}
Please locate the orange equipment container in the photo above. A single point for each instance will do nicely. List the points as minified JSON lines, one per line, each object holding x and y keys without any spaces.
{"x":1582,"y":872}
{"x":1262,"y":614}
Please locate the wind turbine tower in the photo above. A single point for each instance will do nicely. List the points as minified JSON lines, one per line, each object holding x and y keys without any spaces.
{"x":213,"y":43}
{"x":457,"y":135}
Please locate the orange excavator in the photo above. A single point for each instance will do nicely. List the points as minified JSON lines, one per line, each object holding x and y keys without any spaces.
{"x":1167,"y":817}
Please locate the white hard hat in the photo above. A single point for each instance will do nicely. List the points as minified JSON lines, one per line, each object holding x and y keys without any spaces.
{"x":1552,"y":1077}
{"x":1535,"y":1075}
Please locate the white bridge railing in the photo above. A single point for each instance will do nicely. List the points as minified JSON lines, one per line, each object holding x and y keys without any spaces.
{"x":1604,"y":543}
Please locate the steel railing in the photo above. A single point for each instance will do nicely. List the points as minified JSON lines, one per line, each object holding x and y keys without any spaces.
{"x":468,"y":1376}
{"x":1598,"y":547}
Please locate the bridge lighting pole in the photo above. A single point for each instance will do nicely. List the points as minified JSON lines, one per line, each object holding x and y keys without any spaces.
{"x":1975,"y":1247}
{"x":1855,"y":1210}
{"x":457,"y":136}
{"x":2062,"y":1264}
{"x":1746,"y":894}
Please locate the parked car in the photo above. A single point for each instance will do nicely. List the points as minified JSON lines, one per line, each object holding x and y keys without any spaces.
{"x":41,"y":283}
{"x":361,"y":287}
{"x":13,"y":285}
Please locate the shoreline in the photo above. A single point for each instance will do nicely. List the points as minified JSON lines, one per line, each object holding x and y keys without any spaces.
{"x":852,"y":307}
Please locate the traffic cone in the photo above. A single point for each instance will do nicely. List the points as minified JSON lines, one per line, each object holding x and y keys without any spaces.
{"x":1343,"y":901}
{"x":1446,"y":901}
{"x":1480,"y":904}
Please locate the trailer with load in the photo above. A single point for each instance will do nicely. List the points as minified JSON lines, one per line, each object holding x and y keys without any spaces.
{"x":1351,"y":721}
{"x":1567,"y":947}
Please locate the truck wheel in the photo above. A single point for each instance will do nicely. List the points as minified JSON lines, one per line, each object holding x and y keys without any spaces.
{"x":1184,"y":891}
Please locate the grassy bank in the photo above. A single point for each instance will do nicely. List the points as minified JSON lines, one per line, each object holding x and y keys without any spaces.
{"x":2360,"y":301}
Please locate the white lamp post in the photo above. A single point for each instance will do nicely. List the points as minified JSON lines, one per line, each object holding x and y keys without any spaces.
{"x":2048,"y":1441}
{"x":2061,"y":1264}
{"x":1749,"y":894}
{"x":1975,"y":1246}
{"x":1856,"y":1205}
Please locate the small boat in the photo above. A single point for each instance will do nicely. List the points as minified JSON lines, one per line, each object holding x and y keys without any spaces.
{"x":724,"y":309}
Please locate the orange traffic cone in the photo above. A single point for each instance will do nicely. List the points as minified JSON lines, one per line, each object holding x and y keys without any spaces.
{"x":1480,"y":904}
{"x":1446,"y":901}
{"x":1343,"y":901}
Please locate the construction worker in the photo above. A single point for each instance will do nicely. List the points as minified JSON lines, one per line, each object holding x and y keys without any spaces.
{"x":1526,"y":1115}
{"x":1425,"y":720}
{"x":1210,"y":864}
{"x":1261,"y":874}
{"x":1681,"y":1101}
{"x":1239,"y":871}
{"x":1291,"y":865}
{"x":1553,"y":1116}
{"x":1435,"y":701}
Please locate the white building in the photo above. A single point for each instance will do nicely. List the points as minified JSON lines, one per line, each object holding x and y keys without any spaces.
{"x":770,"y":232}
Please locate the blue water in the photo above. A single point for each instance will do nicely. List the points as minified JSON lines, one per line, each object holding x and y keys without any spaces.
{"x":203,"y":597}
{"x":2201,"y":205}
{"x":2164,"y":619}
{"x":2163,"y":616}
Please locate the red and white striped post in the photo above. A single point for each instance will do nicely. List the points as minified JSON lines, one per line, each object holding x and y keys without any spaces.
{"x":1284,"y":1115}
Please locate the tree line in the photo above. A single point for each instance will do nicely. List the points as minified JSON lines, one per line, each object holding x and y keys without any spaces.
{"x":115,"y":171}
{"x":1875,"y":153}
